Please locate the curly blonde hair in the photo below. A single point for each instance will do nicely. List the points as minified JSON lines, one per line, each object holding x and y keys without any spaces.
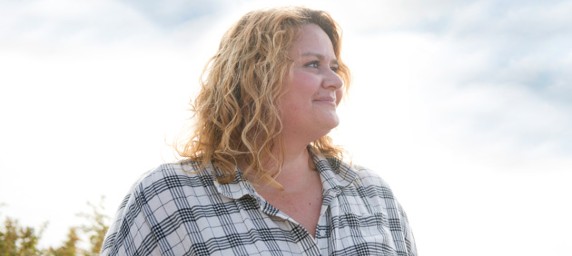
{"x":236,"y":113}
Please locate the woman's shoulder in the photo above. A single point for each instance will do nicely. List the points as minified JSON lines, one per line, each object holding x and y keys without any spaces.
{"x":365,"y":179}
{"x":348,"y":172}
{"x":169,"y":175}
{"x":362,"y":174}
{"x":368,"y":176}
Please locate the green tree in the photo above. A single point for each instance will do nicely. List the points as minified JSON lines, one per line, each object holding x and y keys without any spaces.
{"x":69,"y":248}
{"x":96,"y":228}
{"x":16,"y":240}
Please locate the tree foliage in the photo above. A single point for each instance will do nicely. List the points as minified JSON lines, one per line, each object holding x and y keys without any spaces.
{"x":20,"y":240}
{"x":96,"y":228}
{"x":69,"y":248}
{"x":16,"y":240}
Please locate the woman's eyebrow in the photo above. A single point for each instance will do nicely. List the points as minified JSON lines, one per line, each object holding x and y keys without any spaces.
{"x":319,"y":56}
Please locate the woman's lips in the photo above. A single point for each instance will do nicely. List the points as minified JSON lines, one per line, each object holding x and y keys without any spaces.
{"x":326,"y":100}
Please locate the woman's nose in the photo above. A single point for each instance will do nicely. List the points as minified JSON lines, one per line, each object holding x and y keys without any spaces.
{"x":333,"y":80}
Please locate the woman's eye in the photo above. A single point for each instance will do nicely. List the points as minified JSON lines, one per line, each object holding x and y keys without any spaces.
{"x":313,"y":64}
{"x":335,"y":68}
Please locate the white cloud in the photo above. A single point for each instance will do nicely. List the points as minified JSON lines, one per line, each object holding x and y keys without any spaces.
{"x":70,"y":22}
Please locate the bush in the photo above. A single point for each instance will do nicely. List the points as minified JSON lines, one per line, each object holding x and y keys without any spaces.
{"x":18,"y":240}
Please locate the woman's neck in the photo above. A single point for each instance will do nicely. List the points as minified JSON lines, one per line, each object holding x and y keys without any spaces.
{"x":295,"y":168}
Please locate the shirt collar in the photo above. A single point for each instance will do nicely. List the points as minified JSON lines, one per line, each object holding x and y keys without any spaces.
{"x":236,"y":189}
{"x":334,"y":173}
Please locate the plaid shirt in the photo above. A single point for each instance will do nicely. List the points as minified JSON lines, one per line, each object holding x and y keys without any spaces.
{"x":178,"y":209}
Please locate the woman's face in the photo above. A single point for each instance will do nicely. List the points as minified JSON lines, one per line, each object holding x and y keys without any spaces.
{"x":312,"y":87}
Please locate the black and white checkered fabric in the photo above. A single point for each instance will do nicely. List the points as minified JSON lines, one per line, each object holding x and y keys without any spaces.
{"x":178,"y":209}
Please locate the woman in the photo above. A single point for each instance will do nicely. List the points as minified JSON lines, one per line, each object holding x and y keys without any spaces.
{"x":261,"y":176}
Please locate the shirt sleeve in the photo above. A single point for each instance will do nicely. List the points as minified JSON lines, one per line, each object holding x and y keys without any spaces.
{"x":407,"y":233}
{"x":401,"y":230}
{"x":131,"y":233}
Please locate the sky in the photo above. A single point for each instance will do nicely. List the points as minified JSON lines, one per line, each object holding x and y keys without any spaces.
{"x":463,"y":107}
